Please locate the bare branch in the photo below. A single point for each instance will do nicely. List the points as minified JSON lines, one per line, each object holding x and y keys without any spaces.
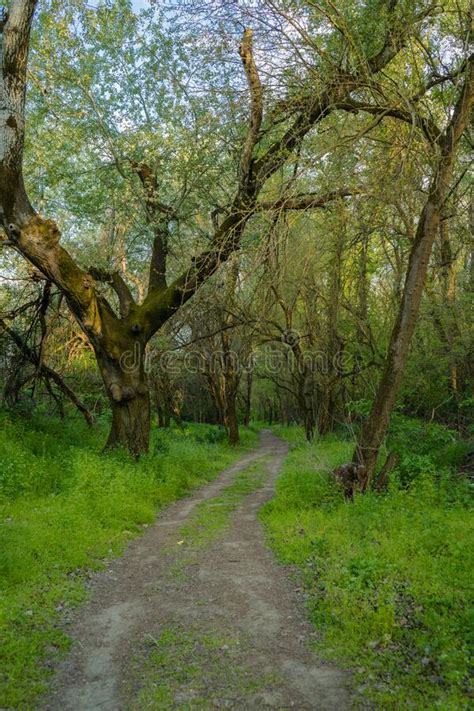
{"x":427,"y":125}
{"x":438,"y":79}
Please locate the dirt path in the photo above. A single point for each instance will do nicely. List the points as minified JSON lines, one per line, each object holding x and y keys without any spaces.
{"x":197,"y":615}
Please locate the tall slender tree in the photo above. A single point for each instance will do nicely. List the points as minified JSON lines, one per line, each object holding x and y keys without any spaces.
{"x":444,"y":145}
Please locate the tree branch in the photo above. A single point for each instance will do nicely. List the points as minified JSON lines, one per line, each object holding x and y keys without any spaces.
{"x":428,"y":126}
{"x":118,"y":285}
{"x":158,"y":215}
{"x":312,"y":109}
{"x":47,"y":372}
{"x":307,"y":201}
{"x":256,"y":110}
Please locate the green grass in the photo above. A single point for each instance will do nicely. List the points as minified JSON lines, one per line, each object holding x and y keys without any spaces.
{"x":64,"y":508}
{"x":389,"y":577}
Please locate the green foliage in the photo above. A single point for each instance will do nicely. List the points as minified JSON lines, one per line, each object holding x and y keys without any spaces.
{"x":424,"y":448}
{"x":212,"y":435}
{"x":359,"y":408}
{"x":424,"y":438}
{"x":389,"y":577}
{"x":64,"y":507}
{"x":292,"y":433}
{"x":161,"y":444}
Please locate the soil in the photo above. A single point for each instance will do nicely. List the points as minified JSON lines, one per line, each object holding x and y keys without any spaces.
{"x":172,"y":625}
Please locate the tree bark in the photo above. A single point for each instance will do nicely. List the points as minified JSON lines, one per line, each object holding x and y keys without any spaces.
{"x":232,"y":422}
{"x":130,"y":427}
{"x":128,"y":392}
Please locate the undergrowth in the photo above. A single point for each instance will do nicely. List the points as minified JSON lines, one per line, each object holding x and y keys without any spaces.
{"x":64,"y":508}
{"x":389,"y":577}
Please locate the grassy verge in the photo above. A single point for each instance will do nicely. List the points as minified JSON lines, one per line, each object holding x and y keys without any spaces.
{"x":64,"y":508}
{"x":389,"y":577}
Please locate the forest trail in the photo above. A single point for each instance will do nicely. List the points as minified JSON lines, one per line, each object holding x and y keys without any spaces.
{"x":197,"y":614}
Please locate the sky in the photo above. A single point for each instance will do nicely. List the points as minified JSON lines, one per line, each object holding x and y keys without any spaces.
{"x":139,"y":4}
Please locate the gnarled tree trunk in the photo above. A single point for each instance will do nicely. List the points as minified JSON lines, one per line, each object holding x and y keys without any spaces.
{"x":123,"y":372}
{"x":130,"y":424}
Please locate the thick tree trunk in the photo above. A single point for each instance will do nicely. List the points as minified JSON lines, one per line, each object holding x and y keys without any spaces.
{"x":130,"y":424}
{"x":127,"y":389}
{"x":232,"y":423}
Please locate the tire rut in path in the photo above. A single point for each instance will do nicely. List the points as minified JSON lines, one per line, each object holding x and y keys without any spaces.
{"x":230,"y":589}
